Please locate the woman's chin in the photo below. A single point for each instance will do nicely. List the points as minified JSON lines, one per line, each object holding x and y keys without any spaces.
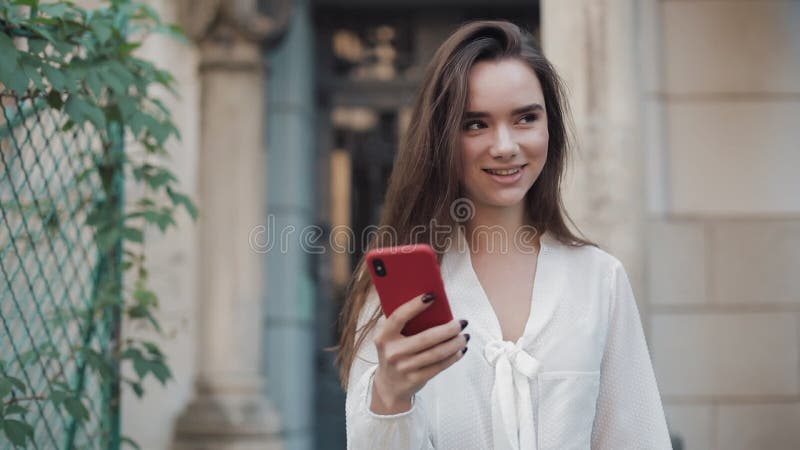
{"x":504,"y":201}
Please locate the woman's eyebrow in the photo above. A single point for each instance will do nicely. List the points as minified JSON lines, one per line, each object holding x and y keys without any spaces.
{"x":523,"y":109}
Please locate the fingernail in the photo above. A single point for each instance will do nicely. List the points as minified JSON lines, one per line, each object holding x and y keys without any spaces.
{"x":427,"y":298}
{"x":463,"y":323}
{"x":466,"y":335}
{"x":464,"y":351}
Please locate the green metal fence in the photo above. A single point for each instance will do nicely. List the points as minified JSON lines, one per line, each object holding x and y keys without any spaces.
{"x":54,"y":279}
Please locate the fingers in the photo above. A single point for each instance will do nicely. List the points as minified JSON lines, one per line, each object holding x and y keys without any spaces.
{"x":434,"y":369}
{"x":433,"y":336}
{"x":407,"y":311}
{"x":435,"y":354}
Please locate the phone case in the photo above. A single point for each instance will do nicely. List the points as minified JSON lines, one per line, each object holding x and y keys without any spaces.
{"x":410,"y":270}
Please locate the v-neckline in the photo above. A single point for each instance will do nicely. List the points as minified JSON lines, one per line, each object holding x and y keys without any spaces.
{"x":542,"y":298}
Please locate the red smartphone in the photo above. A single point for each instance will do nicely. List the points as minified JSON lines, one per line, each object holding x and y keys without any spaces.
{"x":404,"y":272}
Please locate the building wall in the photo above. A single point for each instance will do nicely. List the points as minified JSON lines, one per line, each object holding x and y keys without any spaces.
{"x":172,"y":257}
{"x":722,"y":107}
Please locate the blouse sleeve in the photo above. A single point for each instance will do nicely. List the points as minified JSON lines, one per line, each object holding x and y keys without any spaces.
{"x":367,"y":430}
{"x":629,"y":411}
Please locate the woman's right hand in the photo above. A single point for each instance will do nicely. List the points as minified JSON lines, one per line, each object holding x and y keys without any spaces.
{"x":406,"y":363}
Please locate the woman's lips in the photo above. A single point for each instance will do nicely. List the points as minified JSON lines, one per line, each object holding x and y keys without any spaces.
{"x":506,"y":176}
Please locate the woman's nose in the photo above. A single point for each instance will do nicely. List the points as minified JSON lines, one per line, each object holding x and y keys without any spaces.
{"x":504,"y":145}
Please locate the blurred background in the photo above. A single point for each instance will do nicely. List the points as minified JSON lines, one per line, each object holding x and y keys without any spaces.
{"x":686,"y":119}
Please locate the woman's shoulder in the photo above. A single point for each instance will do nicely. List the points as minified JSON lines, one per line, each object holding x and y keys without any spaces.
{"x":586,"y":257}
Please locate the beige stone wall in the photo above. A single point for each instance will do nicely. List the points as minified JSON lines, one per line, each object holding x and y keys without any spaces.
{"x":722,"y":108}
{"x":172,"y":257}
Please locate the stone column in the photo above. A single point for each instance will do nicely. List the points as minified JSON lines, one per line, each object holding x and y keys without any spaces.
{"x":593,"y":44}
{"x":230,"y":410}
{"x":290,"y":305}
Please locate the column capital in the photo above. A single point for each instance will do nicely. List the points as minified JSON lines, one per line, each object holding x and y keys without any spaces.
{"x":262,"y":23}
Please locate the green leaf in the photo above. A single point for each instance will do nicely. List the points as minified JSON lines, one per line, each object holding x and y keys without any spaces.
{"x":76,"y":409}
{"x":127,"y":106}
{"x":58,"y":397}
{"x":109,"y":78}
{"x":141,"y":366}
{"x":13,"y":77}
{"x":30,"y":67}
{"x":124,"y":74}
{"x":136,"y":123}
{"x":42,"y":30}
{"x":55,"y":77}
{"x":181,"y":199}
{"x":161,"y":177}
{"x":145,"y":202}
{"x":15,"y":409}
{"x":54,"y":100}
{"x":5,"y":388}
{"x":17,"y":432}
{"x":76,"y":108}
{"x":137,"y":389}
{"x":161,"y":371}
{"x":37,"y":46}
{"x":145,"y":297}
{"x":11,"y":14}
{"x":63,"y":386}
{"x":96,"y":116}
{"x":80,"y":111}
{"x":152,"y":349}
{"x":129,"y":441}
{"x":19,"y":384}
{"x":160,"y":131}
{"x":131,"y":353}
{"x":128,"y":48}
{"x":68,"y":125}
{"x":8,"y":51}
{"x":95,"y":83}
{"x":147,"y":12}
{"x":54,"y":10}
{"x":162,"y":219}
{"x":101,"y":30}
{"x":133,"y":235}
{"x":63,"y":47}
{"x":174,"y":31}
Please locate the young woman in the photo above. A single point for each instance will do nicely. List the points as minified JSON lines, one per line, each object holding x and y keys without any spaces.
{"x":559,"y":359}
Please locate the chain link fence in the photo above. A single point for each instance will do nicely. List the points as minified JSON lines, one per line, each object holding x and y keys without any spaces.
{"x":52,"y":273}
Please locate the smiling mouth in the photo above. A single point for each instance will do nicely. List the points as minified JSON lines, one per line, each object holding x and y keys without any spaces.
{"x":505,"y":172}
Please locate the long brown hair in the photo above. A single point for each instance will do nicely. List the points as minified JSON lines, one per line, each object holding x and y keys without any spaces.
{"x":425,"y":178}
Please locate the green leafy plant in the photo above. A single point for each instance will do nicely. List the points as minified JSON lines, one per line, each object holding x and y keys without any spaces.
{"x":81,"y":64}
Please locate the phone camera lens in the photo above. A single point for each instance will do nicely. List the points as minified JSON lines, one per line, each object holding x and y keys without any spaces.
{"x":380,"y":269}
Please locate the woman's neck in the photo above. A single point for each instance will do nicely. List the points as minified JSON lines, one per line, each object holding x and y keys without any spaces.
{"x":499,"y":229}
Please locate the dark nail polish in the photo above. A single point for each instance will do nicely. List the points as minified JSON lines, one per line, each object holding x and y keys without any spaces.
{"x":464,"y":351}
{"x":463,"y":323}
{"x":427,"y":298}
{"x":466,"y":335}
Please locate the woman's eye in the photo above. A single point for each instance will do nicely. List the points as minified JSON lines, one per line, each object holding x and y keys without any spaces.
{"x":529,"y":117}
{"x":473,"y":125}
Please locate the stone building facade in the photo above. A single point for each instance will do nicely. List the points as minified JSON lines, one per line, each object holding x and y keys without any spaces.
{"x":686,"y":118}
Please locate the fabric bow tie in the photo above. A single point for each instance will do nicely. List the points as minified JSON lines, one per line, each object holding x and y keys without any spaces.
{"x":512,"y":409}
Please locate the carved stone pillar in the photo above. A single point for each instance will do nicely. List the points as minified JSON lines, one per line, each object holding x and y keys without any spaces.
{"x":230,"y":410}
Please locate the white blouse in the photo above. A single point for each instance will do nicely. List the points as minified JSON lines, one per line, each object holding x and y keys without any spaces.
{"x":579,"y":377}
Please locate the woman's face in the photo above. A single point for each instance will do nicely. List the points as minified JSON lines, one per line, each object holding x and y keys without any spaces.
{"x":504,"y":134}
